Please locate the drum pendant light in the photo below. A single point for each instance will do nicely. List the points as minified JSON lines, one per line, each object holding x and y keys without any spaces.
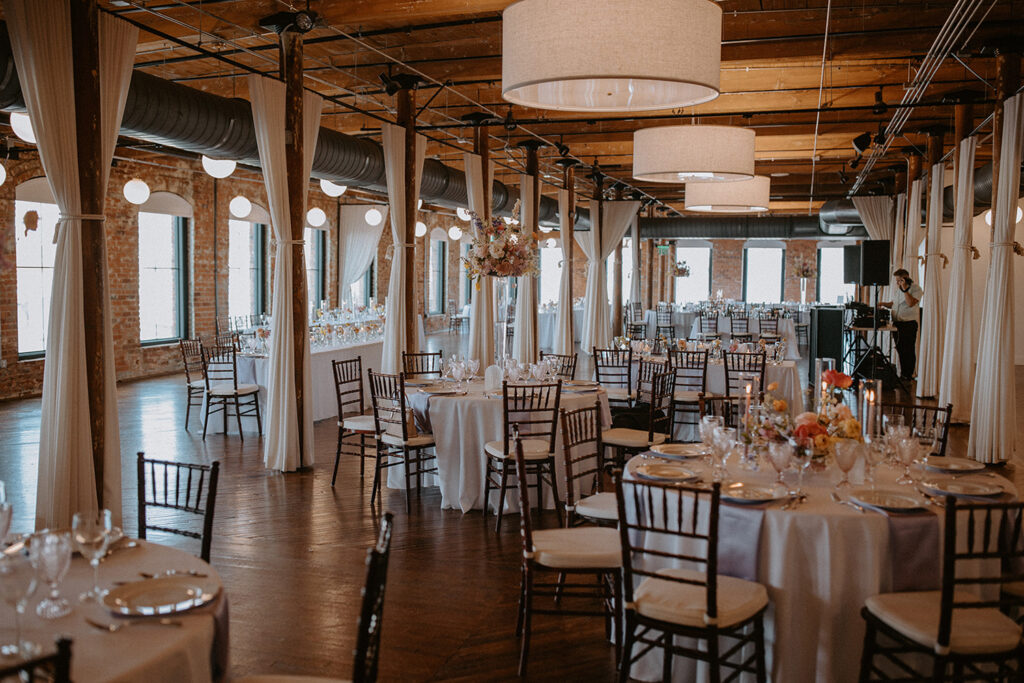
{"x":607,"y":55}
{"x":680,"y":154}
{"x":742,"y":196}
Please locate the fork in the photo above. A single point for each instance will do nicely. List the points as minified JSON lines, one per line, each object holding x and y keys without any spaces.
{"x":173,"y":572}
{"x":117,"y":626}
{"x":855,"y":506}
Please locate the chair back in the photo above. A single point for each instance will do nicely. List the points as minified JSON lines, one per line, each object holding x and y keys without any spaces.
{"x":721,"y":406}
{"x":582,"y":453}
{"x":422,"y":364}
{"x":53,"y":668}
{"x":708,"y":323}
{"x":669,"y":525}
{"x":387,"y":393}
{"x":769,"y":324}
{"x":664,"y":315}
{"x":657,"y":393}
{"x":648,"y":368}
{"x":690,"y":368}
{"x":636,"y":312}
{"x":367,"y":652}
{"x":221,"y":364}
{"x":348,"y":386}
{"x":613,"y":367}
{"x":739,"y":324}
{"x":564,"y":363}
{"x":739,"y":364}
{"x":532,"y":411}
{"x":182,"y":487}
{"x":192,"y":359}
{"x":927,"y":423}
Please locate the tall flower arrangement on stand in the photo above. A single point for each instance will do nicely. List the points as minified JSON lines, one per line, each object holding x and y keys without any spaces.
{"x":804,"y":268}
{"x":681,"y":269}
{"x":501,"y":250}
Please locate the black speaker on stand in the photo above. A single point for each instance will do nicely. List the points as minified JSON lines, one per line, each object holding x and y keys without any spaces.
{"x":851,"y":264}
{"x":874,"y":263}
{"x":826,"y":338}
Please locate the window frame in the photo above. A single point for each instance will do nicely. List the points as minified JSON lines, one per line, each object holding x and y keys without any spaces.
{"x":782,"y":270}
{"x":180,"y":229}
{"x":693,"y":244}
{"x":438,"y":249}
{"x":40,"y":354}
{"x":320,"y":267}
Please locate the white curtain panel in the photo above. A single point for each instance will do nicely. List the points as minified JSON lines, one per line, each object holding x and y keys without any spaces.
{"x":481,"y":309}
{"x":956,"y":379}
{"x":933,"y":304}
{"x":879,"y":220}
{"x":281,"y":439}
{"x":357,"y":245}
{"x":524,"y":340}
{"x":896,"y":248}
{"x":563,"y":321}
{"x":912,"y":234}
{"x":40,"y":32}
{"x":395,"y":341}
{"x":994,"y":409}
{"x":598,"y":244}
{"x":634,"y":285}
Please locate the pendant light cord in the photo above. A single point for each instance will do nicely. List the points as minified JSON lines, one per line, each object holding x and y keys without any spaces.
{"x":817,"y":116}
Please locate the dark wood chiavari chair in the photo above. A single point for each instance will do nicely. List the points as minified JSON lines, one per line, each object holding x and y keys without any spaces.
{"x":636,"y":311}
{"x":707,"y":324}
{"x":647,"y":368}
{"x":929,"y":423}
{"x":691,"y":382}
{"x":737,"y":365}
{"x":195,"y":374}
{"x":53,"y":668}
{"x":769,"y":327}
{"x":182,"y":487}
{"x":353,"y":420}
{"x":720,"y":406}
{"x":664,"y":326}
{"x":422,"y":364}
{"x":663,"y":599}
{"x":531,"y":410}
{"x":578,"y":552}
{"x":613,"y":370}
{"x":654,"y":394}
{"x":961,"y":625}
{"x":739,"y":328}
{"x":583,"y":455}
{"x":397,"y":435}
{"x":803,"y":337}
{"x":223,"y":390}
{"x":368,"y":629}
{"x":564,"y":363}
{"x":456,"y":321}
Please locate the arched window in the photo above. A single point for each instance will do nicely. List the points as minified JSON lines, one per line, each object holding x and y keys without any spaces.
{"x":763,"y":271}
{"x":247,"y":263}
{"x":163,"y":268}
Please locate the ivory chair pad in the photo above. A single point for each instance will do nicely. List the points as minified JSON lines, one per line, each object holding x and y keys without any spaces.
{"x":689,"y":396}
{"x":533,"y":449}
{"x":358,"y":423}
{"x":685,"y":604}
{"x":618,"y":394}
{"x":585,"y":547}
{"x":228,"y":389}
{"x":418,"y":441}
{"x":599,"y":506}
{"x":916,"y":616}
{"x":630,"y":438}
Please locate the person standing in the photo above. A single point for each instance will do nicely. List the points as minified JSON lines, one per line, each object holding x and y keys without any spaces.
{"x":906,"y":314}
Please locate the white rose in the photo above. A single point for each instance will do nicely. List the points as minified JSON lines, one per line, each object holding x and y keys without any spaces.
{"x":480,"y":251}
{"x":496,"y":250}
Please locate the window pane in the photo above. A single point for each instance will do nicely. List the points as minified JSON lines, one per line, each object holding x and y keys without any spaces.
{"x":159,"y":277}
{"x":436,"y":285}
{"x":550,"y":273}
{"x":313,"y":249}
{"x":697,"y":287}
{"x":34,"y":254}
{"x":243,"y":268}
{"x":627,"y":268}
{"x":762,"y":277}
{"x":831,"y":288}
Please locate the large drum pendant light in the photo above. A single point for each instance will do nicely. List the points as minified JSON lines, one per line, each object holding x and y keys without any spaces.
{"x":608,"y":55}
{"x":679,"y":154}
{"x":742,"y":196}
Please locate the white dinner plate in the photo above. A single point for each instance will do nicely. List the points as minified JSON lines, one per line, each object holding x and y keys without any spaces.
{"x":665,"y":471}
{"x":419,"y":382}
{"x":961,"y":487}
{"x":750,"y":494}
{"x":937,"y":463}
{"x":579,"y":383}
{"x":162,"y":595}
{"x":680,"y":450}
{"x":437,"y":390}
{"x":886,"y":499}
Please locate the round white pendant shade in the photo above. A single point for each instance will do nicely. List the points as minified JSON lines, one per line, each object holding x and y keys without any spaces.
{"x":218,"y":168}
{"x":606,"y":55}
{"x":681,"y":154}
{"x":21,"y":124}
{"x":240,"y":207}
{"x":742,"y":196}
{"x":332,"y":189}
{"x":373,"y":217}
{"x":136,"y":191}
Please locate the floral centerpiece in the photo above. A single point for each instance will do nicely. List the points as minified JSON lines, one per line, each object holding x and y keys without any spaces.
{"x":681,"y":269}
{"x":804,"y":268}
{"x":501,"y":249}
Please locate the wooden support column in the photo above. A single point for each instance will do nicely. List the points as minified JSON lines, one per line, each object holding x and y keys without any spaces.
{"x":598,"y":177}
{"x":405,"y":101}
{"x":291,"y":72}
{"x":1007,"y":78}
{"x":568,"y":236}
{"x":651,"y":254}
{"x":963,"y":124}
{"x":533,"y":170}
{"x":617,"y":279}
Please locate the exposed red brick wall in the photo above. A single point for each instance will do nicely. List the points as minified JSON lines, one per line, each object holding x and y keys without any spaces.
{"x":795,"y":251}
{"x":727,"y":268}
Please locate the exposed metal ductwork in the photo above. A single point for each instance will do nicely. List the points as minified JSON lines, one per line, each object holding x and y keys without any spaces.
{"x":736,"y":227}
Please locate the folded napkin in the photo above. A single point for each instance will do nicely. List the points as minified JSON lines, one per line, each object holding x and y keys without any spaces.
{"x":914,"y":553}
{"x":419,"y":402}
{"x":492,"y":378}
{"x":739,"y":540}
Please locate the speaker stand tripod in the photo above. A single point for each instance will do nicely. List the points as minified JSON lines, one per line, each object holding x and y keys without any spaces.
{"x":875,"y":364}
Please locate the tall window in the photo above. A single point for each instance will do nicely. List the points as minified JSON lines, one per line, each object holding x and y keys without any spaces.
{"x":162,"y":281}
{"x":314,"y":251}
{"x":831,"y":288}
{"x":34,"y":250}
{"x":436,"y":276}
{"x":246,"y":275}
{"x":627,"y":268}
{"x":467,"y":284}
{"x":697,"y":287}
{"x":361,"y":291}
{"x":762,"y":274}
{"x":550,"y":273}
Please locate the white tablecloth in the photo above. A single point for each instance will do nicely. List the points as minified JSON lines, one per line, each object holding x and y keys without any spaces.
{"x":787,"y":330}
{"x":682,"y":321}
{"x":820,"y":562}
{"x":138,"y":653}
{"x":254,"y":369}
{"x":546,"y":321}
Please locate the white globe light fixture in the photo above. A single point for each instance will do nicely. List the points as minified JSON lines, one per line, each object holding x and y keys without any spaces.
{"x":741,"y":196}
{"x":3,"y":174}
{"x":632,"y":59}
{"x":373,"y":217}
{"x":316,"y":217}
{"x":240,"y":207}
{"x":136,"y":191}
{"x":552,"y":243}
{"x":332,"y":189}
{"x":218,"y":168}
{"x":419,"y":204}
{"x":681,"y":154}
{"x":22,"y":126}
{"x":988,"y":216}
{"x":421,"y":228}
{"x":455,"y":233}
{"x":462,"y":213}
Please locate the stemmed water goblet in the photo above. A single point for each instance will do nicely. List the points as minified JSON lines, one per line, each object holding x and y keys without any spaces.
{"x":906,"y":449}
{"x":50,"y":553}
{"x":473,"y":365}
{"x":724,"y":442}
{"x":802,"y":459}
{"x":874,"y":455}
{"x":17,"y":583}
{"x":708,"y":424}
{"x":91,"y":534}
{"x":847,"y":452}
{"x":780,"y":453}
{"x":458,"y":370}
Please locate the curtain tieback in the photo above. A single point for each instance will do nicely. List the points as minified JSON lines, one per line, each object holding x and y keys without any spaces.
{"x":389,"y":253}
{"x":299,"y":242}
{"x":924,"y":259}
{"x":65,"y":217}
{"x":975,"y":254}
{"x":1017,"y":249}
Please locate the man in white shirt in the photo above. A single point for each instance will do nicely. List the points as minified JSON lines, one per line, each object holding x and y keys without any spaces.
{"x":905,"y":316}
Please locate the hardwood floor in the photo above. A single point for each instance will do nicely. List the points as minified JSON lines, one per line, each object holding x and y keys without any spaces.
{"x":291,"y":551}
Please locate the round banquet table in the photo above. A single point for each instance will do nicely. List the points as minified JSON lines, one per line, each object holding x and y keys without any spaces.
{"x":461,"y":426}
{"x":682,"y":322}
{"x":819,"y":561}
{"x":150,"y":653}
{"x":787,"y":330}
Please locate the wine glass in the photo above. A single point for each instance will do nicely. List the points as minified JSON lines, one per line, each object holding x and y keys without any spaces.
{"x":906,"y":449}
{"x":724,"y":441}
{"x":780,"y":453}
{"x":50,"y":553}
{"x":91,"y":533}
{"x":802,"y":459}
{"x":473,"y":365}
{"x":17,"y":583}
{"x":6,"y":513}
{"x":708,"y":423}
{"x":874,"y":455}
{"x":847,"y":452}
{"x":458,"y":370}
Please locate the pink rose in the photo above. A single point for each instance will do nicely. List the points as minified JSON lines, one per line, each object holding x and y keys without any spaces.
{"x":805,"y":419}
{"x":843,"y":412}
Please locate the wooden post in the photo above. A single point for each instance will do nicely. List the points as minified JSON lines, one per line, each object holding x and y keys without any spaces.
{"x":598,"y":226}
{"x":405,"y":101}
{"x":1007,"y":77}
{"x":651,"y":252}
{"x":617,"y":279}
{"x":84,"y":17}
{"x":963,"y":123}
{"x":568,"y":236}
{"x":291,"y":72}
{"x":533,"y":170}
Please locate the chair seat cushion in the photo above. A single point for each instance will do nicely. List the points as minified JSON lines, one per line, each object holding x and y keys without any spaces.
{"x":769,"y":335}
{"x":686,"y":604}
{"x":418,"y":441}
{"x":688,"y":396}
{"x":228,"y":389}
{"x":618,"y":394}
{"x":358,"y":423}
{"x":630,"y":438}
{"x":533,"y":449}
{"x":197,"y":384}
{"x":599,"y":506}
{"x":915,"y":615}
{"x":580,"y":548}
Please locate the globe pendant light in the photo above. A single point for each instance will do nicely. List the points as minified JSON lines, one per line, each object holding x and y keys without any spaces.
{"x":3,"y":174}
{"x":607,"y":55}
{"x":373,"y":217}
{"x":218,"y":168}
{"x":421,"y":228}
{"x":21,"y":124}
{"x":680,"y":154}
{"x":136,"y":191}
{"x":332,"y":189}
{"x":462,"y":213}
{"x":240,"y":207}
{"x":316,"y":217}
{"x":455,"y":233}
{"x":742,"y":196}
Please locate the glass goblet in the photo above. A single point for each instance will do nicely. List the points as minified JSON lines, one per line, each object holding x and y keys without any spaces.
{"x":91,"y":534}
{"x":802,"y":459}
{"x":458,"y":370}
{"x":17,"y":583}
{"x":906,"y":449}
{"x":50,"y":553}
{"x":780,"y":453}
{"x":847,"y":452}
{"x":874,"y":455}
{"x":724,"y":442}
{"x":708,"y":423}
{"x":474,"y":367}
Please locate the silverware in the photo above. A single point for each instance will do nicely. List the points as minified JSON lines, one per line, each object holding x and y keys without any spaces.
{"x":794,"y":501}
{"x":173,"y":572}
{"x":117,"y":626}
{"x":855,"y":506}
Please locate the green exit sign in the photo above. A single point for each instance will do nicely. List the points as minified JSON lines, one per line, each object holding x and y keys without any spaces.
{"x":663,"y":249}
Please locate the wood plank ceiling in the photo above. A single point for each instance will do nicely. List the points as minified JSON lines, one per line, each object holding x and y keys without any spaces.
{"x":771,"y":72}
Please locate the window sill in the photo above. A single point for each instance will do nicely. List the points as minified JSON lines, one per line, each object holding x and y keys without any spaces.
{"x":173,"y":341}
{"x":28,"y":357}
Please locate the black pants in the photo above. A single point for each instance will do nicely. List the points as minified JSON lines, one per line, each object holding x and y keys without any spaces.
{"x":906,"y":343}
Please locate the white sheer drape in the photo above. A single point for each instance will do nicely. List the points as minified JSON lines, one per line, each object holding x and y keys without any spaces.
{"x":395,"y":341}
{"x":40,"y":32}
{"x":598,"y":243}
{"x":563,"y":321}
{"x":634,"y":285}
{"x":933,"y":304}
{"x":879,"y":220}
{"x":956,"y":379}
{"x":994,"y":409}
{"x":896,"y":248}
{"x":281,"y":441}
{"x":357,"y":245}
{"x":912,"y":230}
{"x":524,"y":340}
{"x":481,"y":309}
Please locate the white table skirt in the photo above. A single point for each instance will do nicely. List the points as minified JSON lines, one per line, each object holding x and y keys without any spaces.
{"x":787,"y":330}
{"x":682,"y":321}
{"x":546,"y":322}
{"x":254,"y":370}
{"x":154,"y":654}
